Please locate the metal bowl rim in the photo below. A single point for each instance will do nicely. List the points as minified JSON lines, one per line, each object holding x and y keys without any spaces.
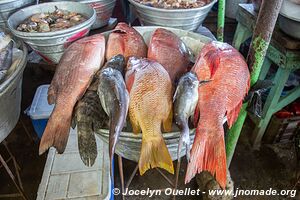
{"x":21,"y":34}
{"x":290,"y":17}
{"x":171,"y":10}
{"x":16,"y":73}
{"x":7,"y":1}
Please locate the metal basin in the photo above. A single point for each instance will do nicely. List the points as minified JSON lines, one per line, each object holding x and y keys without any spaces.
{"x":51,"y":45}
{"x":103,"y":8}
{"x":129,"y":144}
{"x":8,"y":7}
{"x":10,"y":98}
{"x":289,"y":19}
{"x":186,"y":19}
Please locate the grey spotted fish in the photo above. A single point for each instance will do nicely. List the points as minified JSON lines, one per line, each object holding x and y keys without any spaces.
{"x":89,"y":116}
{"x":185,"y":102}
{"x":114,"y":99}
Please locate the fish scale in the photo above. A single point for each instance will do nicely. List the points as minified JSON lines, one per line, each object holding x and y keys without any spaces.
{"x":150,"y":106}
{"x":126,"y":41}
{"x":222,"y":96}
{"x":72,"y":77}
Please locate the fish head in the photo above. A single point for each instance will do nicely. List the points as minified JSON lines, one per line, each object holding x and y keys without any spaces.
{"x":189,"y":80}
{"x":116,"y":62}
{"x":127,"y":41}
{"x":133,"y":66}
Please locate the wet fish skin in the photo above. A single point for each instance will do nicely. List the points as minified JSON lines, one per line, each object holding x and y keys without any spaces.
{"x":89,"y":116}
{"x":222,"y":96}
{"x":127,"y":41}
{"x":72,"y":77}
{"x":169,"y":50}
{"x":150,"y":91}
{"x":5,"y":39}
{"x":114,"y":99}
{"x":185,"y":101}
{"x":6,"y":56}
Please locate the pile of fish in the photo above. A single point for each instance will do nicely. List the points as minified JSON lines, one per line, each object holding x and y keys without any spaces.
{"x":52,"y":21}
{"x":10,"y":57}
{"x":154,"y":86}
{"x":175,"y":4}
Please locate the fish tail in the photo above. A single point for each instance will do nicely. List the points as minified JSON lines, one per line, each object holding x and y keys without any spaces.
{"x":86,"y":143}
{"x":184,"y":139}
{"x":154,"y":153}
{"x":233,"y":114}
{"x":57,"y":130}
{"x":114,"y":133}
{"x":208,"y":154}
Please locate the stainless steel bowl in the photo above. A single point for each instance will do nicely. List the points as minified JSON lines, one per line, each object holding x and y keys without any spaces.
{"x":10,"y":97}
{"x":289,"y":26}
{"x":51,"y":45}
{"x":186,"y":19}
{"x":8,"y":7}
{"x":104,"y":10}
{"x":289,"y":18}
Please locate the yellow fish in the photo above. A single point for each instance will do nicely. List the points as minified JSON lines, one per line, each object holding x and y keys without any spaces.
{"x":150,"y":107}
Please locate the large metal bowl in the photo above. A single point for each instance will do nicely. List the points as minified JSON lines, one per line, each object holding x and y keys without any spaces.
{"x":8,"y":7}
{"x":103,"y":8}
{"x":10,"y":98}
{"x":186,"y":19}
{"x":129,"y":144}
{"x":51,"y":45}
{"x":289,"y":19}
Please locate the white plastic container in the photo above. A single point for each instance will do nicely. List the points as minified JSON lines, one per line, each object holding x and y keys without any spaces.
{"x":40,"y":110}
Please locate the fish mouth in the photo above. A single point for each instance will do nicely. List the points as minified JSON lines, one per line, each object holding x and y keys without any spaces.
{"x":119,"y":31}
{"x":204,"y":82}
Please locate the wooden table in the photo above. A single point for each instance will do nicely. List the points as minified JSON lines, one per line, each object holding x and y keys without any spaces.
{"x":284,"y":52}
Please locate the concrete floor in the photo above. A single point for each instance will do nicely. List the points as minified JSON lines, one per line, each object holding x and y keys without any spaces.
{"x":271,"y":167}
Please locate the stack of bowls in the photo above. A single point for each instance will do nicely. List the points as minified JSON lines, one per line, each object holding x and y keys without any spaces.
{"x":51,"y":45}
{"x":103,"y":8}
{"x":186,"y":19}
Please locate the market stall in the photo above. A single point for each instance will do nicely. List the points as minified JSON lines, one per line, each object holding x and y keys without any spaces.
{"x":160,"y":91}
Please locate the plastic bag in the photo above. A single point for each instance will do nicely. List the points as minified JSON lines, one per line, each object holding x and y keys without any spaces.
{"x":254,"y":97}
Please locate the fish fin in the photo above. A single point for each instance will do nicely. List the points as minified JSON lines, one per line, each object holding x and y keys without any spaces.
{"x":175,"y":94}
{"x":208,"y":154}
{"x":196,"y":116}
{"x":87,"y":144}
{"x":154,"y":153}
{"x":233,"y":114}
{"x":167,"y":123}
{"x":74,"y":118}
{"x":57,"y":130}
{"x":114,"y":134}
{"x":213,"y":61}
{"x":6,"y":56}
{"x":129,"y":81}
{"x":51,"y":94}
{"x":134,"y":123}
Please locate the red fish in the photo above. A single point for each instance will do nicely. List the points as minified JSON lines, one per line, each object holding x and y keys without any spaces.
{"x":72,"y":77}
{"x":126,"y":41}
{"x":222,"y":96}
{"x":169,"y":50}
